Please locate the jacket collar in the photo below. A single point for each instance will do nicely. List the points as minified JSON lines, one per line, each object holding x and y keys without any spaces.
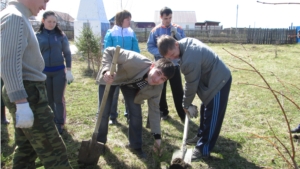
{"x":116,"y":27}
{"x":163,"y":26}
{"x":181,"y":48}
{"x":22,"y":8}
{"x":48,"y":31}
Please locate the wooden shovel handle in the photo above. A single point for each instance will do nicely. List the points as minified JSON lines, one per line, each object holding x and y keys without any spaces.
{"x":106,"y":91}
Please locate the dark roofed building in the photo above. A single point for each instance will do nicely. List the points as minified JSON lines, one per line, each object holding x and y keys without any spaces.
{"x":64,"y":20}
{"x":208,"y":25}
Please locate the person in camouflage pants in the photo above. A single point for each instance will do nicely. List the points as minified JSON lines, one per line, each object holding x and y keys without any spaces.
{"x":43,"y":139}
{"x":24,"y":92}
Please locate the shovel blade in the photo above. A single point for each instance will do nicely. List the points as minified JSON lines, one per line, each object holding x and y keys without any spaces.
{"x":188,"y":156}
{"x":177,"y":154}
{"x":185,"y":156}
{"x":90,"y":152}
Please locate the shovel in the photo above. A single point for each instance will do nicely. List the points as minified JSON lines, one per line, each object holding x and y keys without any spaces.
{"x":184,"y":153}
{"x":91,"y":150}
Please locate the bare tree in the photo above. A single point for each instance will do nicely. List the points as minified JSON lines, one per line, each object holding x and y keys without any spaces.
{"x":280,"y":3}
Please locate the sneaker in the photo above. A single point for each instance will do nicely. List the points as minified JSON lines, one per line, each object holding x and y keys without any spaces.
{"x":113,"y":121}
{"x":197,"y":155}
{"x":296,"y":130}
{"x":192,"y":141}
{"x":138,"y":151}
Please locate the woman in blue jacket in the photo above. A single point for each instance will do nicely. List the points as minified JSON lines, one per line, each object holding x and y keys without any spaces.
{"x":55,"y":49}
{"x":120,"y":34}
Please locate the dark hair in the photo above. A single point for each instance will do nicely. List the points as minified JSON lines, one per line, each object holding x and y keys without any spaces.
{"x":45,"y":16}
{"x":166,"y":11}
{"x":166,"y":66}
{"x":165,"y":43}
{"x":120,"y":16}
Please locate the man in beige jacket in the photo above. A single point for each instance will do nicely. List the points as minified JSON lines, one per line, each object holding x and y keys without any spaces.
{"x":139,"y":79}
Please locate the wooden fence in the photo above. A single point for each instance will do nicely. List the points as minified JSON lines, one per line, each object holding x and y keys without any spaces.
{"x":232,"y":35}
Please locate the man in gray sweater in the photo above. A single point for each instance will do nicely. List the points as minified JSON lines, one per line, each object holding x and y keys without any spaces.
{"x":24,"y":92}
{"x":207,"y":76}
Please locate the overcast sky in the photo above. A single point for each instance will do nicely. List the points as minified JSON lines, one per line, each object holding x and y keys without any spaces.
{"x":250,"y":13}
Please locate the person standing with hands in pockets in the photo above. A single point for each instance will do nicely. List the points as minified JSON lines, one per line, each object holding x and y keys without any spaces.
{"x":25,"y":93}
{"x":167,"y":28}
{"x":54,"y":46}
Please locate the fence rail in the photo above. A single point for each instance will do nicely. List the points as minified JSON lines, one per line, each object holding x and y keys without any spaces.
{"x":232,"y":35}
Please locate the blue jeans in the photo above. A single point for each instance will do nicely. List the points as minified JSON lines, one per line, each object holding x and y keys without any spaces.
{"x":114,"y":106}
{"x":56,"y":86}
{"x":134,"y":114}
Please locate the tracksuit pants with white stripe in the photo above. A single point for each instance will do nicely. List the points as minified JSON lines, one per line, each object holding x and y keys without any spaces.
{"x":211,"y":119}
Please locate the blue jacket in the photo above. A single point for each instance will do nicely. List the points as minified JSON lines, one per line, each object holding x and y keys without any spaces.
{"x":157,"y":32}
{"x":124,"y":37}
{"x":54,"y":48}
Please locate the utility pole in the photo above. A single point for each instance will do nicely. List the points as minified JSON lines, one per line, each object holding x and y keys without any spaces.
{"x":121,"y":5}
{"x":237,"y":13}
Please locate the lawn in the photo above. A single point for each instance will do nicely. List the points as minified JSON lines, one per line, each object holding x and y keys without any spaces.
{"x":251,"y":112}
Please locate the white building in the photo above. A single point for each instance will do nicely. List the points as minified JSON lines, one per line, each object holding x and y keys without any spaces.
{"x":91,"y":13}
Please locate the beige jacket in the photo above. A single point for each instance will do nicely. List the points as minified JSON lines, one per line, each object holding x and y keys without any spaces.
{"x":130,"y":67}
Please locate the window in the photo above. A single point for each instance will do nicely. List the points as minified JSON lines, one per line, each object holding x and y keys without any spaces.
{"x":86,"y":24}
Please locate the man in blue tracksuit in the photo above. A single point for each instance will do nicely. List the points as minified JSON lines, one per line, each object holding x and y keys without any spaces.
{"x":166,"y":28}
{"x":207,"y":76}
{"x":120,"y":34}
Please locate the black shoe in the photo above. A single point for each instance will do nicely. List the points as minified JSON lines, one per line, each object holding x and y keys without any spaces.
{"x":163,"y":117}
{"x":113,"y":121}
{"x":296,"y":130}
{"x":197,"y":155}
{"x":182,"y":120}
{"x":5,"y":121}
{"x":60,"y":128}
{"x":193,"y":140}
{"x":127,"y":118}
{"x":138,"y":151}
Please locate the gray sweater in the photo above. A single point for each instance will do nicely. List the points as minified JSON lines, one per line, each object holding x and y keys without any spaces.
{"x":205,"y":73}
{"x":21,"y":58}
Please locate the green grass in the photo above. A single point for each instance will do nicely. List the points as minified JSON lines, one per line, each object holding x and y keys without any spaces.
{"x":249,"y":111}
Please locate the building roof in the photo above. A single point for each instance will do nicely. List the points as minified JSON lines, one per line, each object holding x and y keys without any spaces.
{"x":208,"y":23}
{"x":64,"y":16}
{"x":178,"y":17}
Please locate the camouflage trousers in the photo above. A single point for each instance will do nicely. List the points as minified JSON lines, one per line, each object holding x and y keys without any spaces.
{"x":42,"y":140}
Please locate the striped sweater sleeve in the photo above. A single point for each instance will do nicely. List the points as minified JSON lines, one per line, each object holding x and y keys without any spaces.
{"x":13,"y":44}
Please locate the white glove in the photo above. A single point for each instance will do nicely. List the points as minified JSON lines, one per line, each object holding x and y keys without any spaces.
{"x":69,"y":76}
{"x":192,"y":111}
{"x":24,"y":116}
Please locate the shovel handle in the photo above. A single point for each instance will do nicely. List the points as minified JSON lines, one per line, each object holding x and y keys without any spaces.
{"x":185,"y":131}
{"x":106,"y":90}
